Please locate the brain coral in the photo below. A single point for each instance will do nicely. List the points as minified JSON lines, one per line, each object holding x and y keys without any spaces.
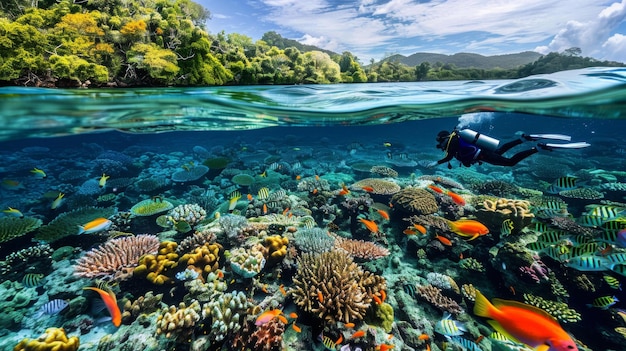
{"x":333,"y":287}
{"x":415,"y":201}
{"x":13,"y":227}
{"x":379,"y":186}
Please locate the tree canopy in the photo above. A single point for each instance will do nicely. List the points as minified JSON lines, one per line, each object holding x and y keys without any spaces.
{"x":68,"y":43}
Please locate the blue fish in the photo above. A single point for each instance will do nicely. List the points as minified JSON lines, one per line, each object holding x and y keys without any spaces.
{"x":52,"y":307}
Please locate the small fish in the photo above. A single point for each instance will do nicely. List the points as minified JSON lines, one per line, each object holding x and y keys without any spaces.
{"x":320,"y":297}
{"x":377,"y":299}
{"x":443,"y":240}
{"x":603,"y":302}
{"x":344,"y":190}
{"x":435,"y":189}
{"x":449,"y":327}
{"x":13,"y":212}
{"x":263,"y":175}
{"x":507,"y":227}
{"x":420,"y":228}
{"x":369,"y":189}
{"x":409,"y":231}
{"x":249,"y":197}
{"x":232,"y":202}
{"x":385,"y":347}
{"x":103,"y":180}
{"x":32,"y":280}
{"x":423,"y":337}
{"x":293,"y":315}
{"x":349,"y":325}
{"x":263,"y":193}
{"x":281,"y":288}
{"x":111,"y":304}
{"x":10,"y":184}
{"x":612,"y":282}
{"x":267,"y":316}
{"x":57,"y":202}
{"x":370,"y":225}
{"x":38,"y":173}
{"x":383,"y":214}
{"x":458,"y":199}
{"x":298,"y":177}
{"x":465,"y":343}
{"x":605,"y":211}
{"x":357,"y":334}
{"x":52,"y":307}
{"x":264,"y":209}
{"x":468,"y":228}
{"x":282,"y":319}
{"x":329,"y":343}
{"x":317,"y":178}
{"x":561,"y":184}
{"x":296,"y":328}
{"x":588,"y":263}
{"x":97,"y":225}
{"x":387,"y":144}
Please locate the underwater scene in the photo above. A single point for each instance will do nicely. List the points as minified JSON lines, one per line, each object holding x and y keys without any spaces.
{"x":326,"y":217}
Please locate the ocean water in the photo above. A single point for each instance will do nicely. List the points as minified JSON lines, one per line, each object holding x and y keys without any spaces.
{"x":288,"y":163}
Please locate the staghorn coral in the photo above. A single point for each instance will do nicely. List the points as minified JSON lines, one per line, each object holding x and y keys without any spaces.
{"x":314,"y":240}
{"x":159,"y":268}
{"x":359,"y":249}
{"x":189,"y":174}
{"x":151,"y":207}
{"x":178,"y":322}
{"x":203,"y":259}
{"x":384,"y":171}
{"x":67,"y":222}
{"x":115,"y":259}
{"x":559,"y":310}
{"x":379,"y":186}
{"x":433,"y":295}
{"x":54,"y":339}
{"x":415,"y":201}
{"x":14,"y":227}
{"x":333,"y":287}
{"x":247,"y":263}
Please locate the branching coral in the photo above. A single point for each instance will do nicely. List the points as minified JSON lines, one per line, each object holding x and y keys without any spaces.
{"x":379,"y":186}
{"x":116,"y":258}
{"x":178,"y":322}
{"x":54,"y":339}
{"x":360,"y":249}
{"x":333,"y":287}
{"x":225,"y":313}
{"x":433,"y":295}
{"x":145,"y":304}
{"x":415,"y":201}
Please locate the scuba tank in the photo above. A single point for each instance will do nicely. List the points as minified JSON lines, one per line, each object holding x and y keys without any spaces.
{"x":482,"y":141}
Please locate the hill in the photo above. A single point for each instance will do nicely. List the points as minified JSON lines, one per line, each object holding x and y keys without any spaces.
{"x":468,"y":60}
{"x":274,"y":39}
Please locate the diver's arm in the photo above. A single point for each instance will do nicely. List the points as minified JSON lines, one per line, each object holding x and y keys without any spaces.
{"x":448,"y":158}
{"x":451,"y":150}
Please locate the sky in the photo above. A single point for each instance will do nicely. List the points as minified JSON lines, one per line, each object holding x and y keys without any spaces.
{"x":378,"y":28}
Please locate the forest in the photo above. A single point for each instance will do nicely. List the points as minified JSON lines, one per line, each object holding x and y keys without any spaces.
{"x":118,"y":43}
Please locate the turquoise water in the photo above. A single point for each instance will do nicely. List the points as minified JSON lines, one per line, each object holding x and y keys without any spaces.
{"x":294,"y":155}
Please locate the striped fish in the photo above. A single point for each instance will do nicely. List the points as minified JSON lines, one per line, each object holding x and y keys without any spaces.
{"x":32,"y":280}
{"x":52,"y":307}
{"x":616,"y":258}
{"x":552,"y":205}
{"x":537,"y":246}
{"x":551,"y":237}
{"x":580,"y":239}
{"x":584,"y":249}
{"x":277,"y":195}
{"x":615,"y":224}
{"x":507,"y":227}
{"x":588,"y":263}
{"x":563,"y":183}
{"x":612,"y":282}
{"x":603,"y":302}
{"x":558,"y":252}
{"x":604,"y":211}
{"x":296,"y":166}
{"x":449,"y":327}
{"x":274,"y":166}
{"x":539,"y":227}
{"x":409,"y":288}
{"x":263,"y":193}
{"x":590,"y":220}
{"x":619,"y":269}
{"x":548,"y":213}
{"x":465,"y":344}
{"x":329,"y":343}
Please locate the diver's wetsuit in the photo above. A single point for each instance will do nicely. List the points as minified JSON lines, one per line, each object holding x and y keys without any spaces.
{"x":468,"y":153}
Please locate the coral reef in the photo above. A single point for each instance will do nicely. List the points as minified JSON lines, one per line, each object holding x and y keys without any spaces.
{"x":54,"y":339}
{"x":67,"y":222}
{"x":178,"y":322}
{"x":494,"y":212}
{"x":190,"y":174}
{"x":144,"y":304}
{"x":247,"y":262}
{"x":494,"y":187}
{"x":365,"y":250}
{"x":276,"y":246}
{"x":415,"y":201}
{"x":378,"y":186}
{"x":333,"y":287}
{"x":13,"y":227}
{"x":116,"y":258}
{"x":433,"y":295}
{"x":384,"y":171}
{"x":313,"y":240}
{"x":159,"y":268}
{"x":559,"y":310}
{"x":191,"y":214}
{"x":150,"y":207}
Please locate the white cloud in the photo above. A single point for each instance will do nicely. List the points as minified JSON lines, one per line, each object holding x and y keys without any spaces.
{"x":220,"y":16}
{"x":593,"y":36}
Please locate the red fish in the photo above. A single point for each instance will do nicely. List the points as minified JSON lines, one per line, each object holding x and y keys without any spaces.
{"x":267,"y":316}
{"x":111,"y":304}
{"x":435,"y":189}
{"x":443,"y":240}
{"x":296,"y":328}
{"x":358,"y":334}
{"x":420,"y":228}
{"x":456,"y":198}
{"x":527,"y":324}
{"x":369,"y":189}
{"x":383,"y":214}
{"x":468,"y":228}
{"x":370,"y":225}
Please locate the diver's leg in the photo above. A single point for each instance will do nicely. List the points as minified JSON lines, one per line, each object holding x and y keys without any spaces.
{"x":522,"y":155}
{"x":506,"y":147}
{"x":499,"y":160}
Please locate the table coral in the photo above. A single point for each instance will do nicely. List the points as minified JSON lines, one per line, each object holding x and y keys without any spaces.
{"x":54,"y":339}
{"x":379,"y":186}
{"x":333,"y":287}
{"x":159,"y":268}
{"x":13,"y":227}
{"x":415,"y":201}
{"x":365,"y":250}
{"x":151,"y":207}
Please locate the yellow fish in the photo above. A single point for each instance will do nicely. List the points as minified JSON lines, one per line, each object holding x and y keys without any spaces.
{"x":57,"y":202}
{"x":234,"y":197}
{"x":38,"y":173}
{"x":13,"y":212}
{"x":103,"y":180}
{"x":97,"y":225}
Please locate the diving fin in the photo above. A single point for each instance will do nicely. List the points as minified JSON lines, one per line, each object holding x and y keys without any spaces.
{"x":579,"y":145}
{"x":549,"y":136}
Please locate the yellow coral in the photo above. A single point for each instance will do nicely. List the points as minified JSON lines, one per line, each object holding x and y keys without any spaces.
{"x":54,"y":339}
{"x":495,"y":211}
{"x":159,"y":268}
{"x":178,"y":322}
{"x":277,"y":246}
{"x":203,"y":259}
{"x":151,"y":207}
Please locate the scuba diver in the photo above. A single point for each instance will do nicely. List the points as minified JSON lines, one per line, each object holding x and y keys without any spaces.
{"x":469,"y":147}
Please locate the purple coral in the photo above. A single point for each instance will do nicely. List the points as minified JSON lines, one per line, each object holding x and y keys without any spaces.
{"x":536,"y":270}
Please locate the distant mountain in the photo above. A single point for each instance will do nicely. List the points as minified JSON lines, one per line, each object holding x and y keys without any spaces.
{"x":274,"y":39}
{"x":467,"y":60}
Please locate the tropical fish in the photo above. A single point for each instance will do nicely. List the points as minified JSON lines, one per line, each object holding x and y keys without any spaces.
{"x":465,"y":343}
{"x":232,"y":202}
{"x":358,"y":334}
{"x":468,"y":228}
{"x":10,"y":184}
{"x":507,"y":227}
{"x":370,"y":225}
{"x":525,"y":323}
{"x":606,"y":212}
{"x":443,"y":240}
{"x":263,"y":193}
{"x":103,"y":180}
{"x":603,"y":302}
{"x":349,"y":325}
{"x":458,"y":199}
{"x":329,"y":343}
{"x":38,"y":173}
{"x":384,"y":347}
{"x":293,"y":315}
{"x":111,"y":304}
{"x":409,"y":231}
{"x":561,"y":184}
{"x":384,"y":214}
{"x":551,"y":237}
{"x":612,"y":282}
{"x":57,"y":202}
{"x":369,"y":189}
{"x":97,"y":225}
{"x":296,"y":328}
{"x":588,"y":263}
{"x":449,"y":327}
{"x":420,"y":228}
{"x":267,"y":316}
{"x":435,"y":189}
{"x":31,"y":280}
{"x":13,"y":212}
{"x":249,"y":197}
{"x":619,"y":269}
{"x":52,"y":307}
{"x":590,"y":220}
{"x":344,"y":190}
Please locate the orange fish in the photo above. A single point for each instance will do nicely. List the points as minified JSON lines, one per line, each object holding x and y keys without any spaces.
{"x":339,"y":339}
{"x":264,"y":209}
{"x":296,"y":328}
{"x":320,"y":297}
{"x":377,"y":299}
{"x":298,"y":177}
{"x":420,"y":228}
{"x":427,"y":347}
{"x":383,"y":295}
{"x":435,"y":189}
{"x":314,"y":191}
{"x":111,"y":304}
{"x":409,"y":231}
{"x":370,"y":225}
{"x":220,"y":274}
{"x":267,"y":316}
{"x":358,"y":334}
{"x":282,"y":319}
{"x":527,"y":324}
{"x":479,"y":339}
{"x":423,"y":337}
{"x":282,"y":290}
{"x":443,"y":240}
{"x":97,"y":225}
{"x":349,"y":325}
{"x":344,"y":190}
{"x":285,"y":211}
{"x":468,"y":228}
{"x":250,"y":198}
{"x":369,"y":189}
{"x":264,"y":289}
{"x":385,"y":347}
{"x":456,"y":198}
{"x":383,"y":214}
{"x":317,"y":177}
{"x":293,"y":315}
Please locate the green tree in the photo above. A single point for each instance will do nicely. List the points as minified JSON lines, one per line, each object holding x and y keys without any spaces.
{"x":159,"y":63}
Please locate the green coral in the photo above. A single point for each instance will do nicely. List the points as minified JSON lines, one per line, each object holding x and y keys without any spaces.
{"x":13,"y":227}
{"x":383,"y":316}
{"x":471,"y":264}
{"x":559,"y":310}
{"x":67,"y":222}
{"x":151,"y":207}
